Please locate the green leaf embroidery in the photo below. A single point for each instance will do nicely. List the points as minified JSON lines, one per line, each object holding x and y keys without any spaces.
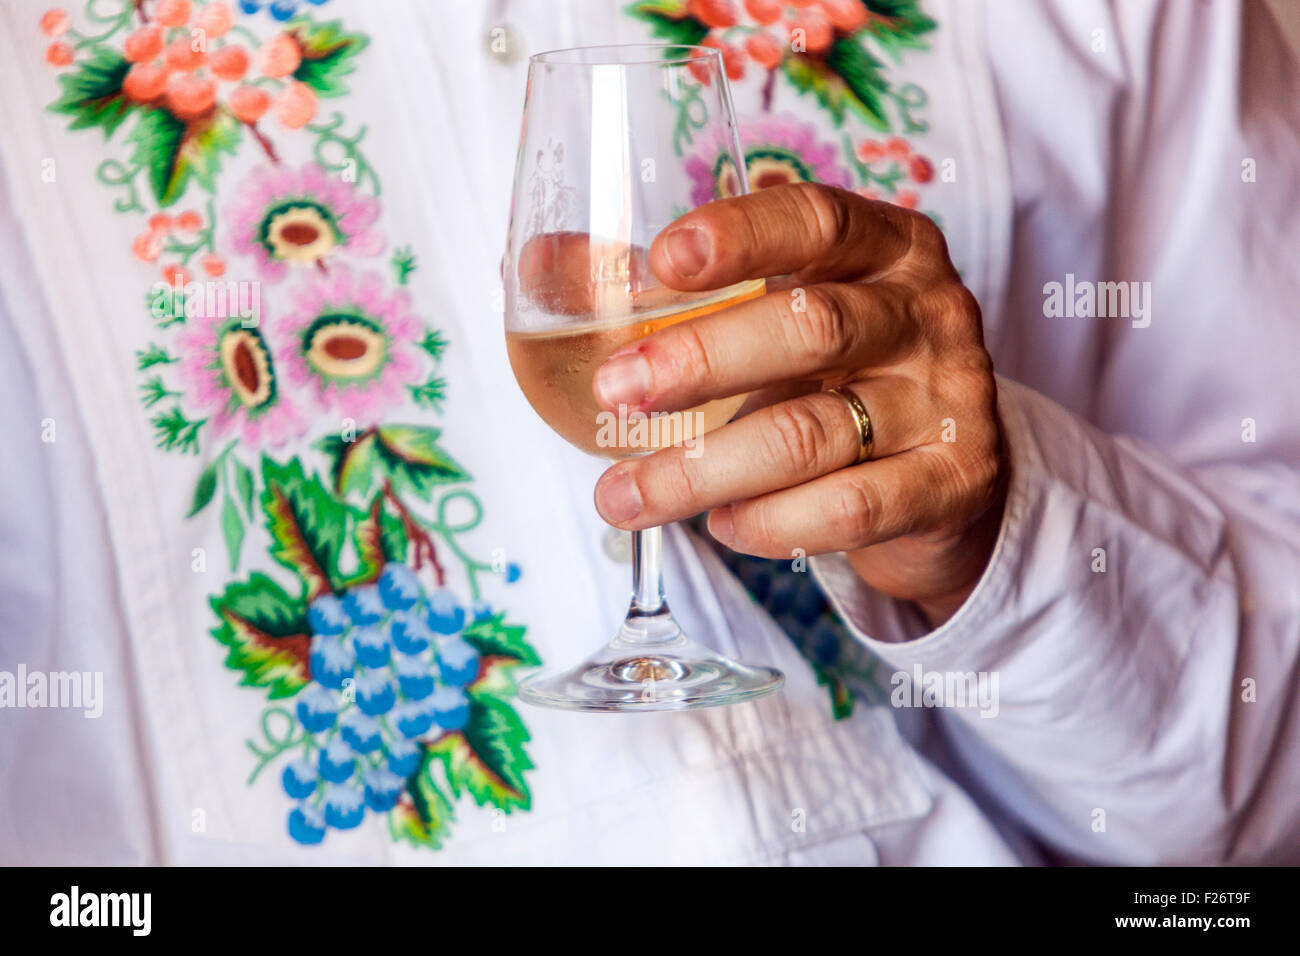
{"x":92,"y":93}
{"x":327,"y":54}
{"x":424,"y":817}
{"x":487,"y":758}
{"x":669,"y":21}
{"x":204,"y":490}
{"x":244,"y":482}
{"x":307,"y":525}
{"x":174,"y":151}
{"x":267,"y":633}
{"x":897,"y":25}
{"x":232,"y":529}
{"x":860,"y":86}
{"x":353,"y":463}
{"x":864,"y":85}
{"x":840,"y":694}
{"x":412,"y":458}
{"x":379,"y":538}
{"x":408,"y":456}
{"x":502,"y":649}
{"x":157,"y":139}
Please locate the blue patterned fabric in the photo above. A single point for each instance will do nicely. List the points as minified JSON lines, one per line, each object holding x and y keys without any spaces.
{"x":789,"y":593}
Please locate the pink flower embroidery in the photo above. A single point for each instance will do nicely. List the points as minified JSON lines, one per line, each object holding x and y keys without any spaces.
{"x":778,"y":149}
{"x":230,"y":374}
{"x":285,"y":215}
{"x":350,"y":340}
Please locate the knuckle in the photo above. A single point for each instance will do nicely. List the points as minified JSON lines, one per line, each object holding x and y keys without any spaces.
{"x":972,"y":473}
{"x":927,"y":243}
{"x":823,"y":327}
{"x":951,"y":473}
{"x":854,"y":510}
{"x":743,"y":231}
{"x":678,"y":476}
{"x":825,"y":211}
{"x":969,"y":380}
{"x":796,"y":434}
{"x":974,"y":393}
{"x":752,"y":526}
{"x":961,"y":304}
{"x":982,"y":384}
{"x":681,"y":357}
{"x":952,"y":309}
{"x":981,"y":469}
{"x":927,"y":239}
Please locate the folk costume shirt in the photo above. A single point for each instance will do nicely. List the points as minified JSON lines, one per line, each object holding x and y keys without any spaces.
{"x":273,"y":561}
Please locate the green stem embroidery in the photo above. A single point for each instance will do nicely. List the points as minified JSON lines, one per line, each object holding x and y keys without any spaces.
{"x":353,"y":165}
{"x":153,"y":391}
{"x":253,"y":39}
{"x":888,"y":179}
{"x":403,"y":263}
{"x":276,"y":744}
{"x":113,"y":23}
{"x":112,"y":172}
{"x":430,"y":394}
{"x":153,"y":355}
{"x":204,"y":241}
{"x":907,"y":98}
{"x":448,"y":532}
{"x":692,"y":114}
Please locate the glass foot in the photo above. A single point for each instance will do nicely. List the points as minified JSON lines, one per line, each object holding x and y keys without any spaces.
{"x":651,"y":665}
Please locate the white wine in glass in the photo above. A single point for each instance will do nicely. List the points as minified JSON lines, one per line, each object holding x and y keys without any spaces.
{"x":600,"y":173}
{"x":555,"y":371}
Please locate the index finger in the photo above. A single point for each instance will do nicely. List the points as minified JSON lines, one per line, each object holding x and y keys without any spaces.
{"x":820,"y":233}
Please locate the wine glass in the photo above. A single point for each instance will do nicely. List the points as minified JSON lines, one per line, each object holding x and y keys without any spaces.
{"x":605,"y":163}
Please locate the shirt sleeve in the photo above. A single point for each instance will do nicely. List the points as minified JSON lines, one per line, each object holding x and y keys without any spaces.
{"x":1138,"y":624}
{"x":1138,"y":629}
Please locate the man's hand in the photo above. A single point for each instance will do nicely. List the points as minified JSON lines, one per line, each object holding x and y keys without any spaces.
{"x":871,"y":302}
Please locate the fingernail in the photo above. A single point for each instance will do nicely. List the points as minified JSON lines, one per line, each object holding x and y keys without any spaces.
{"x":623,"y":381}
{"x":720,"y":525}
{"x":617,"y":497}
{"x":688,"y":249}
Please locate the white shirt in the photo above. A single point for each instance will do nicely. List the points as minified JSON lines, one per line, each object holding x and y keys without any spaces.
{"x":1118,"y":691}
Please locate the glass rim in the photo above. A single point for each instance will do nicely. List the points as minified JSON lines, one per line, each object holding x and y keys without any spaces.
{"x":606,"y":54}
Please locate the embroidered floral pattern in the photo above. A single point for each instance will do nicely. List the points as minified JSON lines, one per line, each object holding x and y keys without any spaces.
{"x":387,"y":692}
{"x":822,"y":47}
{"x":353,"y":343}
{"x":230,"y":374}
{"x":285,"y":217}
{"x":778,"y":149}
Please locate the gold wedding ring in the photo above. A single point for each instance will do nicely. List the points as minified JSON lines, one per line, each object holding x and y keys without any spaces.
{"x":860,"y":415}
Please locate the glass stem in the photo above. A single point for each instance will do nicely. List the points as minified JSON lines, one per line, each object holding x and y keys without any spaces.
{"x":647,"y":574}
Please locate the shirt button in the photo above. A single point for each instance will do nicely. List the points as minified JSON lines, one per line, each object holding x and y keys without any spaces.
{"x":504,"y":44}
{"x":618,"y":545}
